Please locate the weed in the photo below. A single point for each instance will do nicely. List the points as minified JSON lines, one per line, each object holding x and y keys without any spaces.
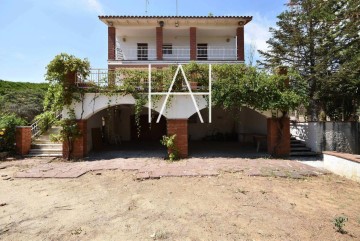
{"x":339,"y":223}
{"x":241,"y":191}
{"x":158,"y":235}
{"x":263,"y":192}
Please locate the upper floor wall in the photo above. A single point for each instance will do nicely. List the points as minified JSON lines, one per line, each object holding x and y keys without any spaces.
{"x":134,"y":40}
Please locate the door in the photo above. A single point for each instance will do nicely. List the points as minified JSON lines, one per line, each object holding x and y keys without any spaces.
{"x":202,"y":51}
{"x":142,"y":51}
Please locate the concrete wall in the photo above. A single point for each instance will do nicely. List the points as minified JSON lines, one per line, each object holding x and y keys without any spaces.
{"x":179,"y":107}
{"x":252,"y":121}
{"x":328,"y":136}
{"x":342,"y":166}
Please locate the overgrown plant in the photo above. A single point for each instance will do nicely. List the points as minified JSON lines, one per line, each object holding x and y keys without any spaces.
{"x":339,"y":223}
{"x":45,"y":120}
{"x":68,"y":134}
{"x":169,"y":142}
{"x":8,"y":125}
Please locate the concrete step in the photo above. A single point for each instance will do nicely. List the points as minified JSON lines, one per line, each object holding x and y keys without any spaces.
{"x":45,"y":151}
{"x":303,"y":153}
{"x":295,"y":149}
{"x":297,"y":145}
{"x":44,"y":155}
{"x":46,"y":146}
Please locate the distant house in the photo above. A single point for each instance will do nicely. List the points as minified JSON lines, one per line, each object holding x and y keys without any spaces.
{"x":159,"y":41}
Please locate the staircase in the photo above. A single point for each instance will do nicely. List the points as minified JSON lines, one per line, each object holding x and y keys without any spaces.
{"x":42,"y":146}
{"x":299,"y":148}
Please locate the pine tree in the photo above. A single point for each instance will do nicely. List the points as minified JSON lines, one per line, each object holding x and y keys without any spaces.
{"x":320,"y":39}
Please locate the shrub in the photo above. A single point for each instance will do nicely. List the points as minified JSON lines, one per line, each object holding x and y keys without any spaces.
{"x":8,"y":125}
{"x":169,"y":142}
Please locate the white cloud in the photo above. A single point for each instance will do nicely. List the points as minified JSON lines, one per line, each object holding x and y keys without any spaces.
{"x":94,"y":5}
{"x":257,"y":31}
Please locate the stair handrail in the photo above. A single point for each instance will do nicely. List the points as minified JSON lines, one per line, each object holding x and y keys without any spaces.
{"x":36,"y":130}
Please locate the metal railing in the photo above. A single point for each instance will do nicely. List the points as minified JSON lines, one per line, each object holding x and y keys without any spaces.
{"x":177,"y":53}
{"x":36,"y":131}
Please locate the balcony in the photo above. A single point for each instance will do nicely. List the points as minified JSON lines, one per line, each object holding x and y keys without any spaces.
{"x":175,"y":54}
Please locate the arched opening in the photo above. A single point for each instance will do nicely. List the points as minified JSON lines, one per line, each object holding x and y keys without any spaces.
{"x":239,"y":133}
{"x":114,"y":131}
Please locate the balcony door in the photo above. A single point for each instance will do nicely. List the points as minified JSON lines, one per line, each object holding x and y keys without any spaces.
{"x":142,"y":51}
{"x":202,"y":51}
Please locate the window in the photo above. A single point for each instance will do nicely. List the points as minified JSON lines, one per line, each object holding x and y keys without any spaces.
{"x":167,"y":49}
{"x":142,"y":51}
{"x":202,"y":53}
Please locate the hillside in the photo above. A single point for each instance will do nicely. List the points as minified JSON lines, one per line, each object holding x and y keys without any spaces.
{"x":23,"y":99}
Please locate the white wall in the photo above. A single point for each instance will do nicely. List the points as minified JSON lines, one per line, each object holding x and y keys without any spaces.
{"x":218,"y":47}
{"x":328,"y":136}
{"x":343,"y":167}
{"x":129,"y":47}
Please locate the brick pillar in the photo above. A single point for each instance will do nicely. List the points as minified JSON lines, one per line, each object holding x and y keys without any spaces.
{"x":180,"y":128}
{"x":193,"y":43}
{"x":159,"y":43}
{"x":278,"y":136}
{"x":23,"y":140}
{"x":111,"y":43}
{"x":80,"y":143}
{"x":71,"y":79}
{"x":240,"y":44}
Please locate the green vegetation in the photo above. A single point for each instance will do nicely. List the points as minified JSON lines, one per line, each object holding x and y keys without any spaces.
{"x":339,"y":223}
{"x":25,"y":100}
{"x":8,"y":123}
{"x":169,"y":143}
{"x":320,"y":39}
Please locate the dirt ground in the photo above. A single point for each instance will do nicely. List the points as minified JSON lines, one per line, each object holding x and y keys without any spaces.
{"x":112,"y":205}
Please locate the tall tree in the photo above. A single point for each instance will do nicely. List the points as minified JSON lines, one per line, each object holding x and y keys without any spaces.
{"x":320,"y":40}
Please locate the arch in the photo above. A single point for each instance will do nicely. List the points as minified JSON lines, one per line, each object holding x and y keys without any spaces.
{"x":180,"y":107}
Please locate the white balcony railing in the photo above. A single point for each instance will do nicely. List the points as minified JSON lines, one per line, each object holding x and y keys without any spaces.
{"x":182,"y":53}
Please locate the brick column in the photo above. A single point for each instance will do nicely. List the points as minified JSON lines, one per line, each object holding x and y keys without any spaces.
{"x":80,"y":143}
{"x":240,"y":43}
{"x":278,"y":136}
{"x":111,"y":43}
{"x":23,"y":140}
{"x":282,"y":70}
{"x":180,"y":128}
{"x":159,"y":43}
{"x":193,"y":43}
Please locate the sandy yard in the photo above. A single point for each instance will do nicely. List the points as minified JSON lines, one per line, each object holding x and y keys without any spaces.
{"x":113,"y":205}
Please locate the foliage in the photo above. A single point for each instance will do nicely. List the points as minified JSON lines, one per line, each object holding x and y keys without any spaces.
{"x":169,"y":142}
{"x":320,"y":40}
{"x":60,"y":71}
{"x":45,"y":120}
{"x":8,"y":125}
{"x":69,"y":132}
{"x":339,"y":223}
{"x":23,"y":99}
{"x":241,"y":85}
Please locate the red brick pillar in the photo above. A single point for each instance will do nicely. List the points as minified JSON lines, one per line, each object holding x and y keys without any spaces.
{"x":278,"y":136}
{"x":111,"y":43}
{"x":180,"y":128}
{"x":159,"y":43}
{"x":240,"y":43}
{"x":23,"y":140}
{"x":283,"y":70}
{"x":193,"y":43}
{"x":80,"y":143}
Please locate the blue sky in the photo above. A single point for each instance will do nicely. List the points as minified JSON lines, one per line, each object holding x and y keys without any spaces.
{"x":32,"y":32}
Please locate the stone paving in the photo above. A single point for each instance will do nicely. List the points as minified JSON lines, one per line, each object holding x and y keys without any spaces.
{"x":152,"y":168}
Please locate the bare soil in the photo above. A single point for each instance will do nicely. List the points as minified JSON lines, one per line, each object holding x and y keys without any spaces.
{"x":112,"y":205}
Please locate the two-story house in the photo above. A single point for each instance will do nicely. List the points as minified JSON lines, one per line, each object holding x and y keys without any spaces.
{"x":154,"y":42}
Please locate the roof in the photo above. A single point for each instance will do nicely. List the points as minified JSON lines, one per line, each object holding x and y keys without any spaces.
{"x":114,"y":17}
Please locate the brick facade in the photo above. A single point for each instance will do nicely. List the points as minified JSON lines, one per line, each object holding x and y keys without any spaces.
{"x":240,"y":44}
{"x":23,"y":140}
{"x":159,"y":43}
{"x":193,"y":43}
{"x":278,"y":136}
{"x":80,"y":143}
{"x":180,"y":128}
{"x":111,"y":43}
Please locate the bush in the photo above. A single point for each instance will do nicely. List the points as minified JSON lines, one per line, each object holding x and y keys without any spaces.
{"x":8,"y":125}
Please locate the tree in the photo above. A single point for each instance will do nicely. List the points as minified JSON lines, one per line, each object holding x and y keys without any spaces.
{"x":320,"y":40}
{"x":62,"y":91}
